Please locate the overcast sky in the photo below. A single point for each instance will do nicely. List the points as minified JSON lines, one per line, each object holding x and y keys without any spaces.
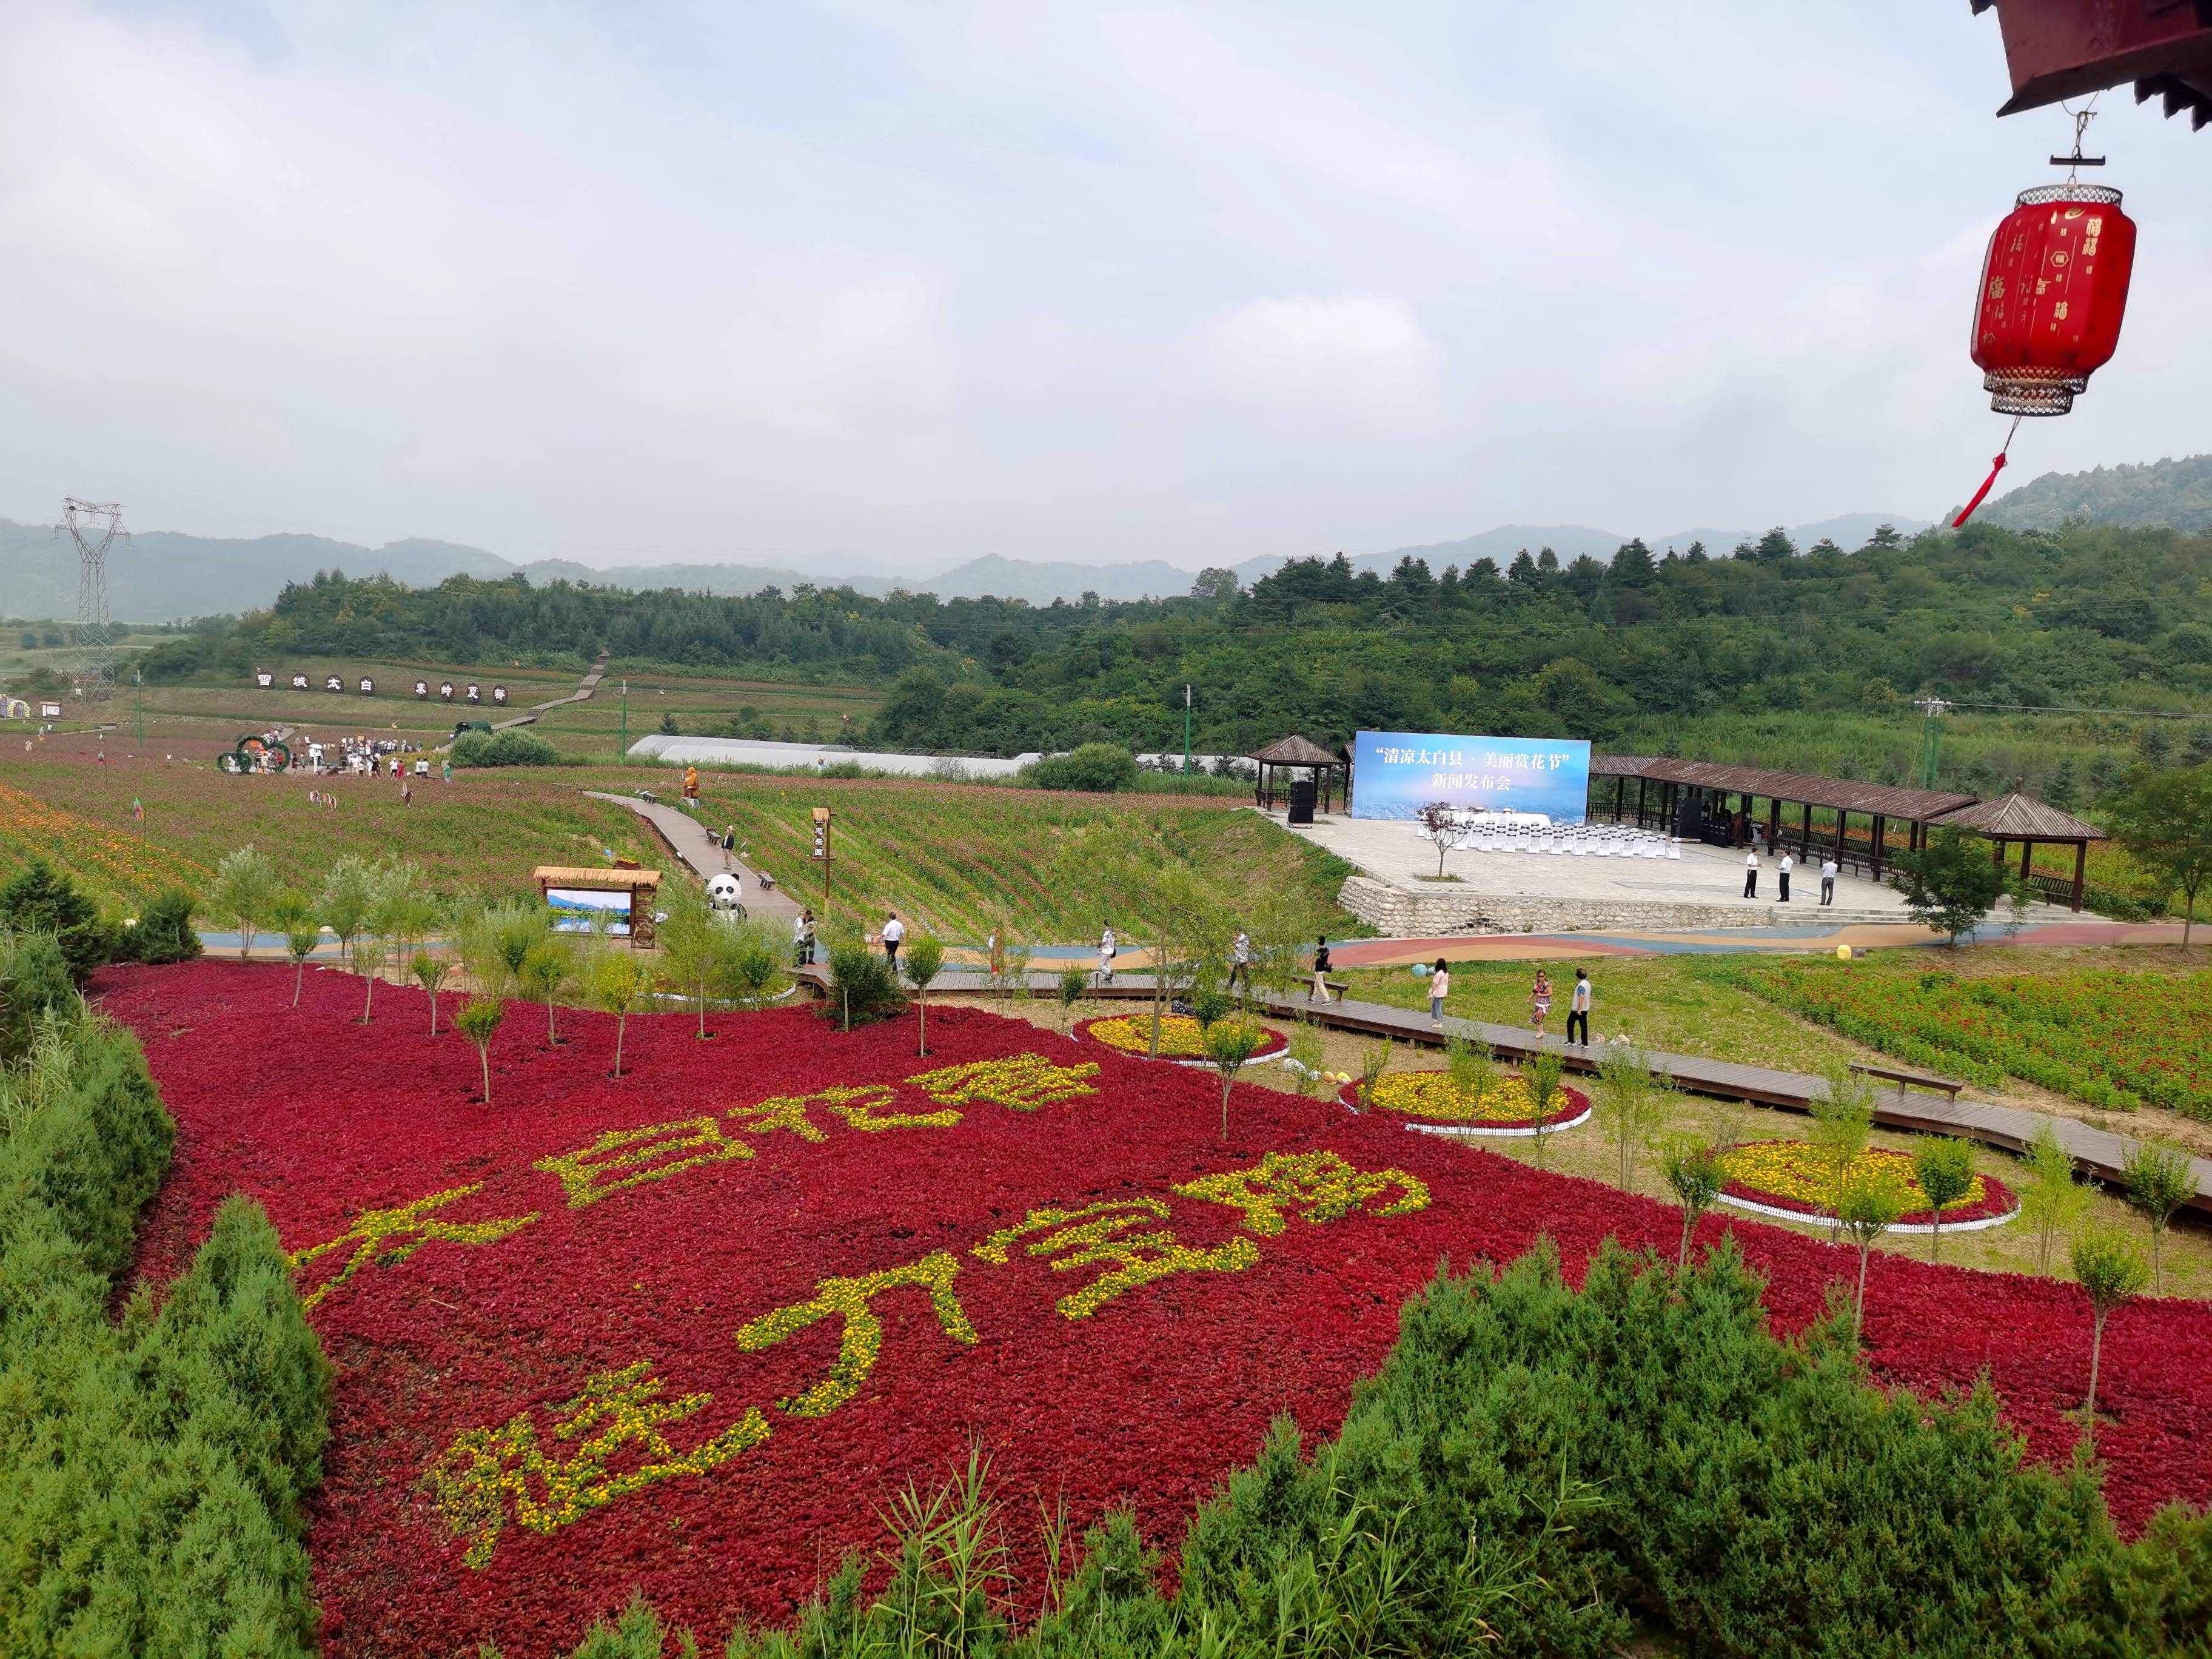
{"x":889,"y":286}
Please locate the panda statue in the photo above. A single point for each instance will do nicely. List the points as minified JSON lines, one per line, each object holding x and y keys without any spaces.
{"x":723,"y":892}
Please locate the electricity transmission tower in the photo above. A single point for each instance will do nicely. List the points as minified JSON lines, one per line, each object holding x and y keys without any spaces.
{"x":94,"y":527}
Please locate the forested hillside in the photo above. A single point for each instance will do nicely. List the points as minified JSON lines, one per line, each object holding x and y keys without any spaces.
{"x":2175,"y":494}
{"x":2087,"y":616}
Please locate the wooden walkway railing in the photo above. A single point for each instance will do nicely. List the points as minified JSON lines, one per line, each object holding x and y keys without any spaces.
{"x":2095,"y":1151}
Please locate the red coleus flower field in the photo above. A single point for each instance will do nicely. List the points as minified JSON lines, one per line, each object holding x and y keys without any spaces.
{"x":689,"y":1331}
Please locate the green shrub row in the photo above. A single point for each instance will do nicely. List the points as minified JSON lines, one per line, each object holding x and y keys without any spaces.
{"x":1542,"y":1471}
{"x":513,"y":747}
{"x":152,"y":1469}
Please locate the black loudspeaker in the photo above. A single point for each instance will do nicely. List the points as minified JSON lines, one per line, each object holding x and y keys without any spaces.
{"x":1302,"y":800}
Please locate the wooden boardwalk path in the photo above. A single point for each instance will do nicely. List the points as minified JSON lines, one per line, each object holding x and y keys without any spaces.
{"x":2096,"y":1151}
{"x":585,"y":688}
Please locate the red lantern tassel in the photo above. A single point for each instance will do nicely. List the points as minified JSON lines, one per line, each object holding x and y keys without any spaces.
{"x":1996,"y":466}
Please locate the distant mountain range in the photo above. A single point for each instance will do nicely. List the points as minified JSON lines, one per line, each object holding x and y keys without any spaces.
{"x":2168,"y":492}
{"x":158,"y":575}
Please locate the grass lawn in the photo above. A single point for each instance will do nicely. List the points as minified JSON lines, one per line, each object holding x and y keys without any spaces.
{"x":952,"y":858}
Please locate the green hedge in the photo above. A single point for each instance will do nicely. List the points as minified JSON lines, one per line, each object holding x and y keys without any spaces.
{"x":509,"y":748}
{"x":1538,"y":1470}
{"x":152,"y":1470}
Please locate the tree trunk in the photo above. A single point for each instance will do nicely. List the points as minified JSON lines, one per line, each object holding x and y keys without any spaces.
{"x":299,"y":972}
{"x":1935,"y":1236}
{"x":922,"y":1008}
{"x":703,"y":1008}
{"x":2089,"y":1406}
{"x":433,"y":1011}
{"x":1858,"y":1308}
{"x":552,"y":1036}
{"x":2157,"y":1274}
{"x":368,"y":1004}
{"x":621,"y":1022}
{"x":1682,"y":1255}
{"x":484,"y":1055}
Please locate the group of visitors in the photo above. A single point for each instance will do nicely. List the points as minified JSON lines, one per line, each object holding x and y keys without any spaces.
{"x":1828,"y":871}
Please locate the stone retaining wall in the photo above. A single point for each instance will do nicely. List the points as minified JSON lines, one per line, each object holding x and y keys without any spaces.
{"x":1402,"y":913}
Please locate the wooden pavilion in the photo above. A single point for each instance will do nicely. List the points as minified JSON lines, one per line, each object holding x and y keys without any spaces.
{"x":2027,"y":822}
{"x":1701,"y":800}
{"x":1298,"y":753}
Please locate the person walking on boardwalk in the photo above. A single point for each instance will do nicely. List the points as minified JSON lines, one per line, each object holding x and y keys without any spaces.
{"x":894,"y":931}
{"x":1540,"y":1001}
{"x":1782,"y":875}
{"x":1106,"y":955}
{"x":1321,"y":969}
{"x":1578,"y":1007}
{"x":1439,"y":988}
{"x":1751,"y":875}
{"x":1240,"y":960}
{"x":802,"y":938}
{"x":1828,"y":879}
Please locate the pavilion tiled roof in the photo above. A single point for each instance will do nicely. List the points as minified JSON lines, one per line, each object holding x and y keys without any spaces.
{"x":1841,"y":795}
{"x":1297,"y":749}
{"x":2021,"y":818}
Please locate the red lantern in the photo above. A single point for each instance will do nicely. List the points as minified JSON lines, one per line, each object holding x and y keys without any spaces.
{"x":2054,"y":289}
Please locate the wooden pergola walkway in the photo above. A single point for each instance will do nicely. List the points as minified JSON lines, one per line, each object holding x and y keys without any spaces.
{"x":2095,"y":1151}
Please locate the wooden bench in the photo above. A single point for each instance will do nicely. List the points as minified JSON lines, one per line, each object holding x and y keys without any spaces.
{"x":1911,"y":1079}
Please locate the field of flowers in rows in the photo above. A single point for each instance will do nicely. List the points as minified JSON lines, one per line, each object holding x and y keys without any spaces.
{"x":691,"y":1332}
{"x":2113,"y":1038}
{"x":107,"y":859}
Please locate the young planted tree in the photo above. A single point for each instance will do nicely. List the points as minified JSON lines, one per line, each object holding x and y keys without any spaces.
{"x":1843,"y":1123}
{"x":1950,"y":884}
{"x":747,"y":961}
{"x":689,"y":935}
{"x":1210,"y":1002}
{"x":291,"y":916}
{"x":2053,"y":1199}
{"x":1944,"y":1168}
{"x":1439,"y":819}
{"x":245,"y":885}
{"x":1473,"y":1069}
{"x":2157,"y":1182}
{"x":548,"y":968}
{"x":618,"y":979}
{"x":1073,"y":982}
{"x":1694,"y":1170}
{"x":431,"y":971}
{"x":478,"y":1020}
{"x":1543,"y":1071}
{"x":2111,"y":1269}
{"x":344,"y":904}
{"x":1867,"y":1208}
{"x":921,"y":961}
{"x":2164,"y":820}
{"x":1229,"y":1044}
{"x":1307,"y":1050}
{"x":1374,"y":1060}
{"x":1632,"y":1089}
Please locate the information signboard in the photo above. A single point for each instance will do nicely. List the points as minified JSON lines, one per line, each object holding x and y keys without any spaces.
{"x":1396,"y":774}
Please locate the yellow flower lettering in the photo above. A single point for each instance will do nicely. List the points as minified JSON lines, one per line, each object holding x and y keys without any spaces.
{"x":630,"y":1157}
{"x":1024,"y":1082}
{"x":1104,"y":1235}
{"x":849,"y":1299}
{"x":1321,"y":1186}
{"x":487,"y":1471}
{"x":388,"y":1237}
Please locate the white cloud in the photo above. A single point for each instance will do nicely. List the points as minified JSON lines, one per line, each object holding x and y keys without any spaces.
{"x":1362,"y":352}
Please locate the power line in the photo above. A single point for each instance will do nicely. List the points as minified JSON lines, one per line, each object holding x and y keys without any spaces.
{"x":94,"y":527}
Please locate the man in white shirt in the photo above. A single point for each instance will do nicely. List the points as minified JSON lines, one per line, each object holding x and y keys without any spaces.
{"x":1751,"y":875}
{"x":1578,"y":1007}
{"x":1828,"y":879}
{"x":1787,"y":865}
{"x":894,"y":931}
{"x":1240,"y":960}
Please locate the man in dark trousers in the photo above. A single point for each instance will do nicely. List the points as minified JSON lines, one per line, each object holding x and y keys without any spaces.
{"x":1578,"y":1008}
{"x":1787,"y":865}
{"x":1751,"y":875}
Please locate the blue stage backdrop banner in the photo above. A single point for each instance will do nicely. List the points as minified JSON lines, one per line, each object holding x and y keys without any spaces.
{"x":1396,"y":774}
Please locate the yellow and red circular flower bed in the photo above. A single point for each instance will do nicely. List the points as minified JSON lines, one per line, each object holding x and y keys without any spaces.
{"x":1182,"y":1037}
{"x":1432,"y":1099}
{"x":1795,"y":1177}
